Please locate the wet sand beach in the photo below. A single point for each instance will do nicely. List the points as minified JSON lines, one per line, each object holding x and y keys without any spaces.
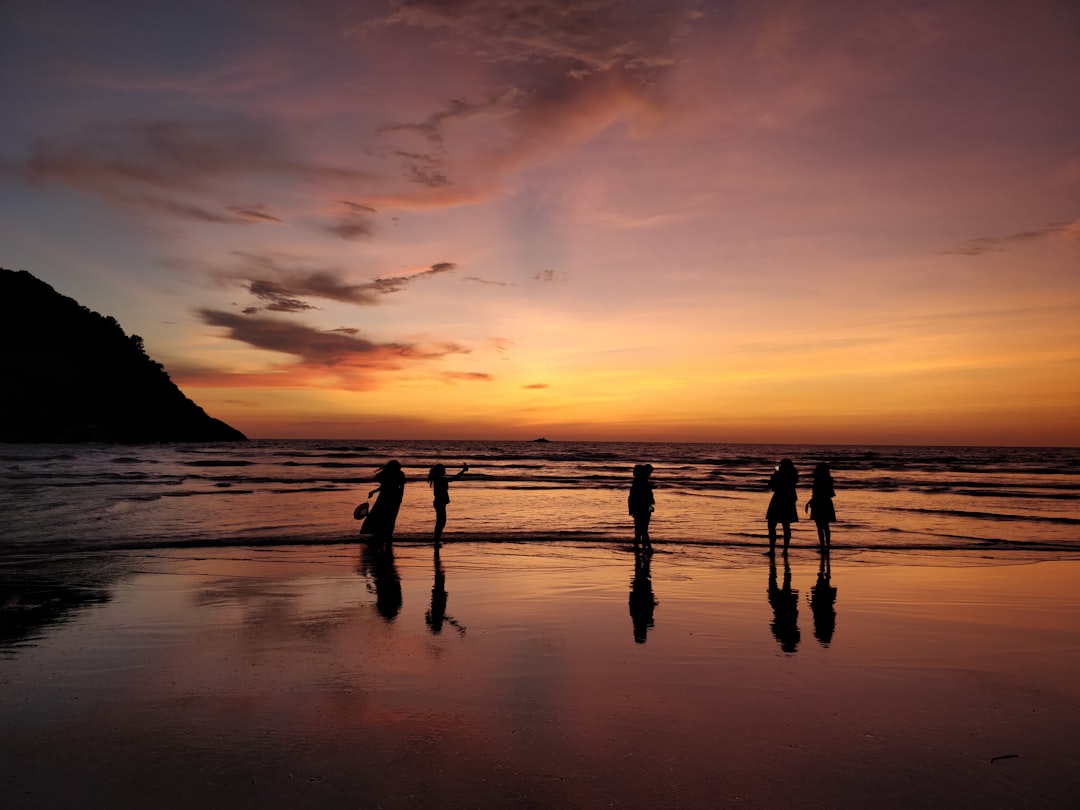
{"x":540,"y":675}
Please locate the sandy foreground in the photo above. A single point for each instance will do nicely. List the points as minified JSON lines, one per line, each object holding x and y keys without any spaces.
{"x":535,"y":675}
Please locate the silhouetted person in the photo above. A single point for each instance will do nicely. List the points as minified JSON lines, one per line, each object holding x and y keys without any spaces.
{"x":642,"y":601}
{"x":436,"y":615}
{"x":377,"y":561}
{"x":782,"y":507}
{"x":820,"y":505}
{"x":379,"y":523}
{"x":823,"y":601}
{"x":640,"y":503}
{"x":785,"y":605}
{"x":438,"y":481}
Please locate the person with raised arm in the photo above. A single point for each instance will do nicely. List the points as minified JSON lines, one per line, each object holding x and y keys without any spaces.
{"x":440,"y":484}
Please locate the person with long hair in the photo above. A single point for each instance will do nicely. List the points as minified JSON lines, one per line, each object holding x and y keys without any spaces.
{"x":820,"y":505}
{"x":783,"y":507}
{"x":383,"y":515}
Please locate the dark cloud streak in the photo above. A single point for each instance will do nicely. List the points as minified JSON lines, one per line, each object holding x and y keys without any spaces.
{"x":254,"y":213}
{"x":995,"y":244}
{"x":286,"y":337}
{"x":358,"y":222}
{"x":285,"y":288}
{"x":280,"y":300}
{"x":316,"y":347}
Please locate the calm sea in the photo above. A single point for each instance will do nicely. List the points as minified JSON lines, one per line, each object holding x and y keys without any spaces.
{"x":275,"y":493}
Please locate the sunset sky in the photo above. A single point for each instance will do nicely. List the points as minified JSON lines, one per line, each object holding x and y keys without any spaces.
{"x":836,"y":222}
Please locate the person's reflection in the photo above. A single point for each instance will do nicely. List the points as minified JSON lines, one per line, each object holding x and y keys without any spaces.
{"x":436,"y":615}
{"x":822,"y":602}
{"x":642,"y":601}
{"x":377,"y":563}
{"x":29,"y":609}
{"x":785,"y":605}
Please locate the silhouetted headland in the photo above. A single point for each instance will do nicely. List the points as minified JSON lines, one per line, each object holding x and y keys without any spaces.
{"x":73,"y":375}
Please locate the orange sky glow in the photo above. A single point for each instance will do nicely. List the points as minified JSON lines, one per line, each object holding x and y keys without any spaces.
{"x":841,"y":222}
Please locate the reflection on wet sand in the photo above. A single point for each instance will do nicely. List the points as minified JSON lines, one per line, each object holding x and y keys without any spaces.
{"x":30,"y":610}
{"x":785,"y":604}
{"x":642,"y":600}
{"x":40,"y":594}
{"x":329,"y":705}
{"x":823,"y":601}
{"x":377,"y":565}
{"x":436,"y":614}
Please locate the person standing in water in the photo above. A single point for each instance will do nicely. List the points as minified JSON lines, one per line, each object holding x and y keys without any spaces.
{"x":641,"y":503}
{"x":440,"y":483}
{"x":820,"y":505}
{"x":383,"y":515}
{"x":782,"y":506}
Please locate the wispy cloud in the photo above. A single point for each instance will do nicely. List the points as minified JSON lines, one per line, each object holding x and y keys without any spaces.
{"x":357,"y":221}
{"x":176,"y":167}
{"x":583,"y":37}
{"x":466,"y":376}
{"x":430,"y":168}
{"x":239,"y":75}
{"x":995,"y":244}
{"x":283,"y":285}
{"x":254,"y":213}
{"x":431,"y":129}
{"x":278,"y":298}
{"x":558,"y":73}
{"x":171,"y":206}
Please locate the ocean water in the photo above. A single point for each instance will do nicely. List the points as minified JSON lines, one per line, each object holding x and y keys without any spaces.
{"x":71,"y":498}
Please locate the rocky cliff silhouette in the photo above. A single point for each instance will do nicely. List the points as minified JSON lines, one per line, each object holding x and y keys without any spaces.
{"x":72,"y":375}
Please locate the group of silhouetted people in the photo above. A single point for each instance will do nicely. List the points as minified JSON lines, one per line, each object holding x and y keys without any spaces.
{"x":377,"y":558}
{"x":379,"y":522}
{"x":783,"y":506}
{"x":783,"y":511}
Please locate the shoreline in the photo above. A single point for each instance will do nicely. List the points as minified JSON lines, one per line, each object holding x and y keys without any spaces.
{"x":517,"y":675}
{"x":13,"y":553}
